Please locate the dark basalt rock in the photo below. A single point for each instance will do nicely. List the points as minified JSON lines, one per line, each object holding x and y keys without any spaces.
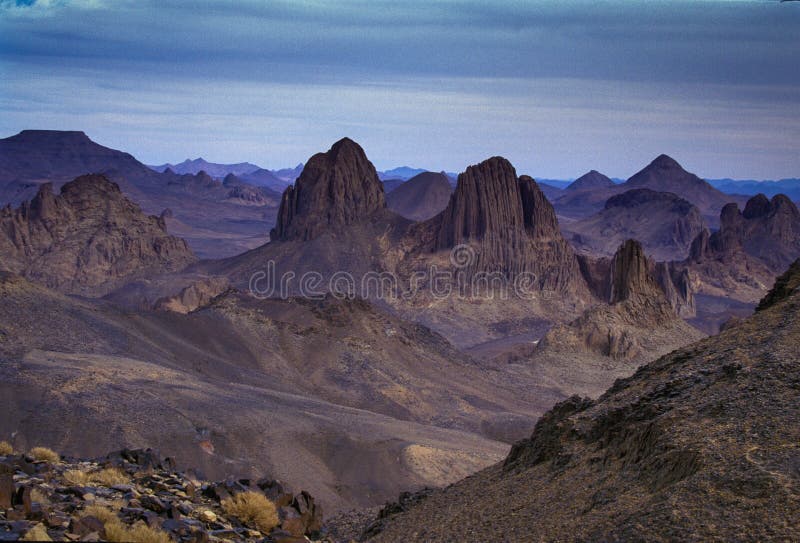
{"x":336,"y":188}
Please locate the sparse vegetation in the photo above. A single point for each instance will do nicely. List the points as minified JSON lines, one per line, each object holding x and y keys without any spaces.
{"x":105,"y":477}
{"x":252,"y":508}
{"x":116,"y":532}
{"x":39,"y":497}
{"x":101,"y":513}
{"x":6,"y":448}
{"x":43,"y":454}
{"x":37,"y":533}
{"x":76,"y":477}
{"x":110,"y":477}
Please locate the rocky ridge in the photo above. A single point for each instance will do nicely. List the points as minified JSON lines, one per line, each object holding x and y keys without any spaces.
{"x":664,"y":223}
{"x":699,"y":445}
{"x":87,"y":240}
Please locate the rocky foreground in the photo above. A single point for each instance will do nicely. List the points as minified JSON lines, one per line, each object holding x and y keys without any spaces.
{"x":134,"y":495}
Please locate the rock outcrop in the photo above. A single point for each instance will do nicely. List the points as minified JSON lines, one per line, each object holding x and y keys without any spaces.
{"x":87,"y":240}
{"x":197,"y":294}
{"x":742,"y":258}
{"x":509,"y":226}
{"x":336,"y":189}
{"x":638,"y":322}
{"x":664,"y":223}
{"x":699,"y":445}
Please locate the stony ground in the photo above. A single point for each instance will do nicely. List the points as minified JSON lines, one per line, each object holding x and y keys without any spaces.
{"x":133,"y":495}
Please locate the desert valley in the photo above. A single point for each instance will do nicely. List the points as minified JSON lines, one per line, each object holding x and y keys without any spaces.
{"x":201,"y":351}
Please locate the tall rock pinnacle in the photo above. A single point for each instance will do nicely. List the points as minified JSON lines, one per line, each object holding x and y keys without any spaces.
{"x":336,"y":188}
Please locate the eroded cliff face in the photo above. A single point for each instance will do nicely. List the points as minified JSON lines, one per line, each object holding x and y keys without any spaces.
{"x":639,"y":320}
{"x":510,"y":228}
{"x":87,"y":240}
{"x":337,"y":188}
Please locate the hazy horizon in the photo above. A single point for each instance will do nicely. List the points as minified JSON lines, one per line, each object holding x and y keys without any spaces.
{"x":558,"y":89}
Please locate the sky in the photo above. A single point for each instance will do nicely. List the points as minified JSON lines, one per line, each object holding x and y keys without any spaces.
{"x":557,"y":87}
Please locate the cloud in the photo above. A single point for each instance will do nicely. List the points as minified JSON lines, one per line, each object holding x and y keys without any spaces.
{"x":560,"y":87}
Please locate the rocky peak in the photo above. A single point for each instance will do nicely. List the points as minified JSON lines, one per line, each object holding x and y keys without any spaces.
{"x":757,"y":206}
{"x":630,"y":273}
{"x":87,"y":240}
{"x":665,"y":162}
{"x":486,"y":202}
{"x":336,"y":188}
{"x":590,"y":180}
{"x":767,"y":230}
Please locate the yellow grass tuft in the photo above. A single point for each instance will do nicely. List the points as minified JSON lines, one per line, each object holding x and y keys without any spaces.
{"x":37,"y":533}
{"x":39,"y":497}
{"x":252,"y":508}
{"x":110,"y":477}
{"x":76,"y":477}
{"x":104,"y":477}
{"x":6,"y":448}
{"x":101,"y":513}
{"x":116,"y":532}
{"x":43,"y":454}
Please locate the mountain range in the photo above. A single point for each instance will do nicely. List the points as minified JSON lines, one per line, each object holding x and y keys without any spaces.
{"x":383,"y":341}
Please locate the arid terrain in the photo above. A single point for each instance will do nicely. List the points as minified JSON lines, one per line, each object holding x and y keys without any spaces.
{"x":380,"y":376}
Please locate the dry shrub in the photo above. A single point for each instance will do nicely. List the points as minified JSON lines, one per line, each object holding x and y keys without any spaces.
{"x":43,"y":454}
{"x":110,"y":477}
{"x":37,"y":533}
{"x":103,"y":514}
{"x":104,"y":477}
{"x":76,"y":477}
{"x":116,"y":532}
{"x":252,"y":508}
{"x":6,"y":448}
{"x":39,"y":497}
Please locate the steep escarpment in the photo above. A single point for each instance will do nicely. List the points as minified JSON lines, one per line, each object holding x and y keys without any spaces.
{"x":336,"y":189}
{"x":87,"y":240}
{"x":699,"y":445}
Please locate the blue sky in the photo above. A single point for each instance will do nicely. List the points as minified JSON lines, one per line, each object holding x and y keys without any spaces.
{"x":557,"y":87}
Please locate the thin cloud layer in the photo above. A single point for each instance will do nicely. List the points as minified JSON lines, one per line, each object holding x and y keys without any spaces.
{"x":610,"y":83}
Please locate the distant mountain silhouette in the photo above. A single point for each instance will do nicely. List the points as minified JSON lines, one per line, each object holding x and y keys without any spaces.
{"x":421,"y":197}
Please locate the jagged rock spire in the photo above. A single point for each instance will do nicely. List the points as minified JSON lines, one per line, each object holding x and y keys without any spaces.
{"x":336,"y":188}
